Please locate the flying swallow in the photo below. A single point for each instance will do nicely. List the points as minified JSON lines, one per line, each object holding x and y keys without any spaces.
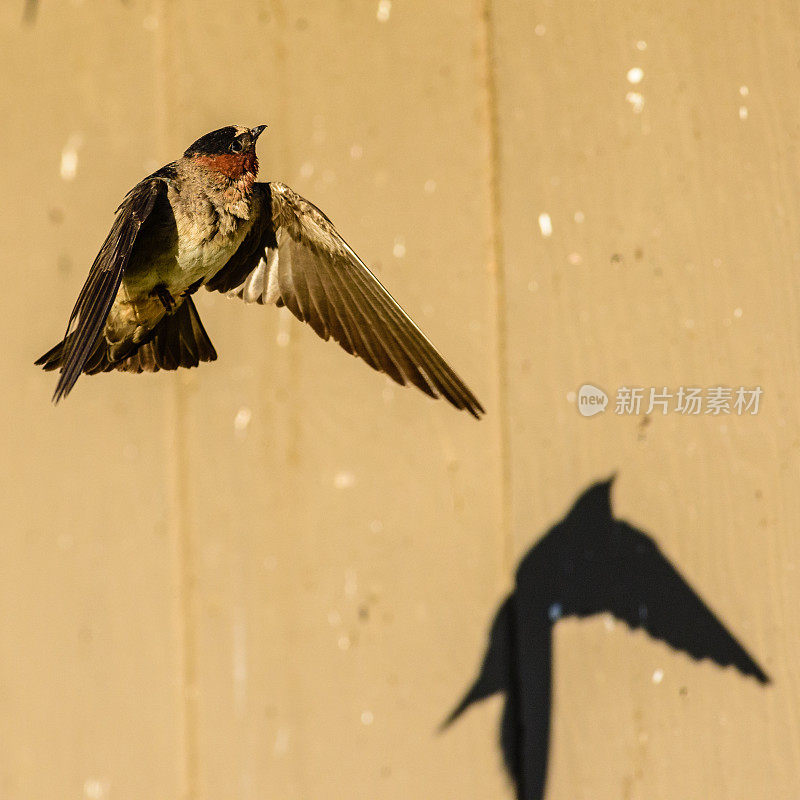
{"x":203,"y":220}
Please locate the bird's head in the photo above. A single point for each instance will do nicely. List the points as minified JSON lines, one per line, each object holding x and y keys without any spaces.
{"x":230,"y":151}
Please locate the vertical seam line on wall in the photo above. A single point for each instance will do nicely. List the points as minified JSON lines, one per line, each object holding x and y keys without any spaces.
{"x":497,"y":267}
{"x":185,"y":582}
{"x":177,"y":463}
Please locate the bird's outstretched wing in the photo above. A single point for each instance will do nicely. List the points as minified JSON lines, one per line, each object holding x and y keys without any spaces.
{"x":98,"y":293}
{"x":294,"y":257}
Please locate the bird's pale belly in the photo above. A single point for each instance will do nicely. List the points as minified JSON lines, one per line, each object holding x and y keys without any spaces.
{"x":183,"y":266}
{"x":137,"y":307}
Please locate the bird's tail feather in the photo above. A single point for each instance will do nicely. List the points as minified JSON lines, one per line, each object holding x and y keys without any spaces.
{"x":179,"y":340}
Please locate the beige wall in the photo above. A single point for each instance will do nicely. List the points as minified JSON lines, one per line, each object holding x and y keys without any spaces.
{"x":290,"y":610}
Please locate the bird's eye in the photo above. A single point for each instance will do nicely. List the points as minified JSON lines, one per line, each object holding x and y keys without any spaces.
{"x":236,"y":146}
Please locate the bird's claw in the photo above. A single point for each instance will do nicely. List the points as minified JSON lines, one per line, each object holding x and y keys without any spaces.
{"x":167,"y":300}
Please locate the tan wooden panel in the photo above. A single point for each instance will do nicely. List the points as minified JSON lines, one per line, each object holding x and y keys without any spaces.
{"x":342,"y":540}
{"x":672,"y":261}
{"x":274,"y":575}
{"x":90,"y":694}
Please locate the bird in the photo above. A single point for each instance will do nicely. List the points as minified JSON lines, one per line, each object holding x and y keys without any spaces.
{"x":588,"y":563}
{"x":204,"y":220}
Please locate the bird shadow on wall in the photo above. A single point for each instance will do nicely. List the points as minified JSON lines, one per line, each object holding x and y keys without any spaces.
{"x":586,"y":564}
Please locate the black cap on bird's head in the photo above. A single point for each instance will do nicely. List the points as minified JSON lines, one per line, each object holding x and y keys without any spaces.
{"x":232,"y":139}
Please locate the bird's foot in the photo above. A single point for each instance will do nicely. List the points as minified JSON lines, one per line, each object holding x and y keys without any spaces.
{"x":167,"y":300}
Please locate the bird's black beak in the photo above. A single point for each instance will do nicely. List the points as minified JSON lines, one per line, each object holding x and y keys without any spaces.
{"x":257,"y":131}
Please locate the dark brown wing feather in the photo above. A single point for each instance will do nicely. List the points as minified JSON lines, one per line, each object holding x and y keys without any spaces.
{"x":100,"y":289}
{"x":294,"y":256}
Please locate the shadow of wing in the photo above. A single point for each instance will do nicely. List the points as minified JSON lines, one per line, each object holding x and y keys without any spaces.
{"x":496,"y":670}
{"x":655,"y":596}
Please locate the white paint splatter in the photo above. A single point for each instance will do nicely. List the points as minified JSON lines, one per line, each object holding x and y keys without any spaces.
{"x":635,"y":75}
{"x":540,"y":30}
{"x":743,"y":113}
{"x":744,"y":91}
{"x":579,"y":217}
{"x":399,"y":249}
{"x":69,"y":156}
{"x":367,"y":717}
{"x":545,"y":225}
{"x":242,"y":420}
{"x":284,"y":323}
{"x":344,"y":480}
{"x":95,"y":788}
{"x":737,"y":312}
{"x":636,"y":99}
{"x":384,"y":10}
{"x":641,"y":45}
{"x":658,"y":676}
